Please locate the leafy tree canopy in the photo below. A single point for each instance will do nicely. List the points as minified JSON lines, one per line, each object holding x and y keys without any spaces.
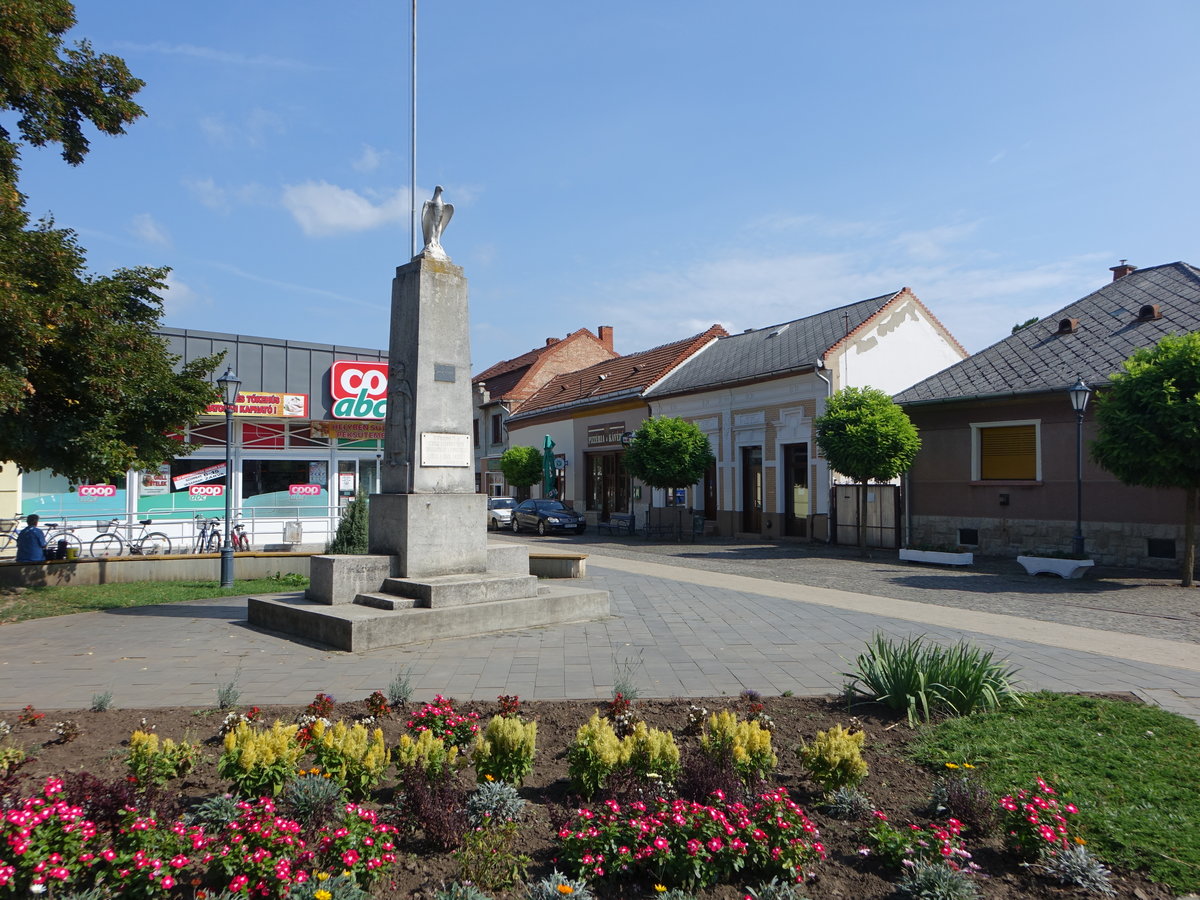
{"x":85,"y":390}
{"x":522,"y":466}
{"x":668,"y":453}
{"x":866,"y":436}
{"x":1149,"y":426}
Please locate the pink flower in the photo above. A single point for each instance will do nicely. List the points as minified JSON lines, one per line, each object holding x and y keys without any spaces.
{"x":350,"y":857}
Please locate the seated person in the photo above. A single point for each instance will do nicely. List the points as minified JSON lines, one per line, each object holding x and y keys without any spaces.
{"x":31,"y":542}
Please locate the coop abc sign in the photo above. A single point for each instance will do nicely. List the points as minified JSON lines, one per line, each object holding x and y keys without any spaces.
{"x":92,"y":491}
{"x":359,"y":389}
{"x":200,"y":491}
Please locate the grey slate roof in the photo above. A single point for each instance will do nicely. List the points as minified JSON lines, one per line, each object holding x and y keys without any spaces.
{"x":768,"y":352}
{"x":1038,"y":359}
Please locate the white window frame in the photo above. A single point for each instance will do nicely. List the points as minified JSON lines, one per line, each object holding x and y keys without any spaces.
{"x":977,"y":427}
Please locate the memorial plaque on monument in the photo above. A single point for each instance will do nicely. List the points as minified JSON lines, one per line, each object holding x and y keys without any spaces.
{"x":440,"y":449}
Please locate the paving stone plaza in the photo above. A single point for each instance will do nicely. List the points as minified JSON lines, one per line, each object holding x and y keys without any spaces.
{"x":688,"y":620}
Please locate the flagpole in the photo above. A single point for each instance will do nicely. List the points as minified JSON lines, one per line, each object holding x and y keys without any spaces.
{"x":412,"y":150}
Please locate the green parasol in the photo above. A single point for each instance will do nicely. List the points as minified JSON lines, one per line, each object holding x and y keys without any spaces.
{"x":549,"y":475}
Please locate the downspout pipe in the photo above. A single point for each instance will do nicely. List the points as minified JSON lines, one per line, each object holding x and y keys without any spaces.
{"x":818,"y":368}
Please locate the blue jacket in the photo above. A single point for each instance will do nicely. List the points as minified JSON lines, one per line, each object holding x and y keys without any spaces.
{"x":31,"y":545}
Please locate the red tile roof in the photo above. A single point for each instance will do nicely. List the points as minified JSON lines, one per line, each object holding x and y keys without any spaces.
{"x":626,"y":375}
{"x":518,"y":378}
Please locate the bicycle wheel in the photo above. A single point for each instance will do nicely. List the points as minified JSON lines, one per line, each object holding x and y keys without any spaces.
{"x":213,"y":544}
{"x":8,"y":545}
{"x":68,"y":536}
{"x":155,"y":544}
{"x":107,"y":544}
{"x":241,"y":542}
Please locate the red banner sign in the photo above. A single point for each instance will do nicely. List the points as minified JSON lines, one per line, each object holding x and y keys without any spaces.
{"x":359,"y":389}
{"x":200,"y":491}
{"x":304,"y":490}
{"x":96,"y":491}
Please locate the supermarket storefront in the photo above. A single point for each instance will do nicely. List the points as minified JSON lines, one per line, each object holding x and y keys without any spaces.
{"x":307,"y":435}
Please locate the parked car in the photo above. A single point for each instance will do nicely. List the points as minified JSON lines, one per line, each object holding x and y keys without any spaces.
{"x":547,"y":515}
{"x":499,"y":512}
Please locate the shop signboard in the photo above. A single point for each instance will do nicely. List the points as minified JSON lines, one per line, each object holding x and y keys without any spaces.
{"x":345,"y":482}
{"x":304,"y":490}
{"x":264,"y":404}
{"x":93,"y":492}
{"x":359,"y":389}
{"x":199,"y":476}
{"x":155,"y":482}
{"x":349,"y":431}
{"x":201,"y":492}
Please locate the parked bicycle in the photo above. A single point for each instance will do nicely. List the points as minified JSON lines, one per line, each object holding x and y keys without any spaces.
{"x":239,"y":538}
{"x":8,"y":536}
{"x":61,"y":539}
{"x":111,"y":543}
{"x":208,"y":538}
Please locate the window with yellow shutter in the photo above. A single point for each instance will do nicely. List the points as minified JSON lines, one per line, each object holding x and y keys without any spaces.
{"x":1006,"y":451}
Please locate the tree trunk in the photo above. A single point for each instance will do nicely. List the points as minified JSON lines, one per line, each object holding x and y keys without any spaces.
{"x":862,"y":518}
{"x":1189,"y":537}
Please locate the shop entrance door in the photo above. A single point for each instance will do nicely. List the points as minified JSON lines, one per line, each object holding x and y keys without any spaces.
{"x":752,"y":489}
{"x":795,"y":490}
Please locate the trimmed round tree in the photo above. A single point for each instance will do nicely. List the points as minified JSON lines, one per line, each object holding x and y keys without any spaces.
{"x":865,"y":436}
{"x":1149,"y":427}
{"x":668,"y":453}
{"x":522,"y":467}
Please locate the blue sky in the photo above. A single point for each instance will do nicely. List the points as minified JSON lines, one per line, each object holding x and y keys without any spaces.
{"x":655,"y":166}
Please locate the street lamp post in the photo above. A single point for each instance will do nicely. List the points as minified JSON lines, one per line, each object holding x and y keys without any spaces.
{"x":1080,"y":394}
{"x":229,"y":384}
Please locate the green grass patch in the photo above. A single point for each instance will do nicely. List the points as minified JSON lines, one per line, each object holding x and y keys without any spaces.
{"x":20,"y":604}
{"x":1132,"y":770}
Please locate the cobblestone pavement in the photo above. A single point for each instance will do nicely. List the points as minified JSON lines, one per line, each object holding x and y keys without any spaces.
{"x":681,"y":626}
{"x":1124,"y":600}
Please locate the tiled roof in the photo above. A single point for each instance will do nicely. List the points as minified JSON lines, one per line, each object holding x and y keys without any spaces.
{"x":505,"y":379}
{"x":625,"y":376}
{"x":772,"y":351}
{"x":1042,"y":358}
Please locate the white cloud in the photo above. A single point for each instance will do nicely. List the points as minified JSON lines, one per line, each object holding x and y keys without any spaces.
{"x":179,"y":298}
{"x":222,"y":198}
{"x":255,"y":127}
{"x":371,"y":159}
{"x":145,"y":227}
{"x":322,"y":209}
{"x":211,"y":54}
{"x":933,"y":243}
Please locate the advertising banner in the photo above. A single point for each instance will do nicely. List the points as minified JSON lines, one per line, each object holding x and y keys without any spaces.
{"x":201,"y":492}
{"x":91,"y":492}
{"x":265,"y":405}
{"x":349,"y":431}
{"x":199,"y":476}
{"x":304,"y":490}
{"x":359,"y":389}
{"x":155,"y":482}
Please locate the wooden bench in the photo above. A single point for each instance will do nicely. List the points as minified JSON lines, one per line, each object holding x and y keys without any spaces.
{"x":617,"y":523}
{"x":558,"y":565}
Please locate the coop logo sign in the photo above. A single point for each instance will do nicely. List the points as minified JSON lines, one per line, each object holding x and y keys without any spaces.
{"x":96,"y":491}
{"x":201,"y":491}
{"x":359,"y":389}
{"x":304,"y":490}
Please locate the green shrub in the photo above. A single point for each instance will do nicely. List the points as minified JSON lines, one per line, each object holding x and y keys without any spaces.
{"x":427,"y":755}
{"x":774,"y":890}
{"x":746,"y":744}
{"x":557,"y":887}
{"x":355,"y":757}
{"x":215,"y":812}
{"x":489,"y":858}
{"x":834,"y":759}
{"x":351,"y":536}
{"x":505,"y":750}
{"x":457,"y":891}
{"x":102,"y":702}
{"x":849,"y":804}
{"x":920,"y":679}
{"x":494,"y":801}
{"x":597,"y":752}
{"x":312,"y":799}
{"x":936,"y":881}
{"x":260,"y":763}
{"x":152,"y":761}
{"x":1074,"y":865}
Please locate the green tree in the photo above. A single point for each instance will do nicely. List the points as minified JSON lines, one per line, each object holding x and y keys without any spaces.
{"x":522,"y":467}
{"x":351,"y":536}
{"x":1149,"y":427}
{"x":865,"y":436}
{"x":668,"y":453}
{"x":85,"y":390}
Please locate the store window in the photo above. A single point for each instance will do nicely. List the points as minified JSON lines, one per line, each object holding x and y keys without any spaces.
{"x":1006,"y":451}
{"x":497,"y":429}
{"x":209,"y":434}
{"x":283,"y":487}
{"x":607,"y":483}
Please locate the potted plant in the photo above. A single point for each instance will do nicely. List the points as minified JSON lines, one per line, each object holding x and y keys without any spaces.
{"x":1064,"y":565}
{"x":940,"y":555}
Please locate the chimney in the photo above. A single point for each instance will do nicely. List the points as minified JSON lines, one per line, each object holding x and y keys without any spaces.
{"x":1122,"y":270}
{"x":550,"y":342}
{"x":606,"y":336}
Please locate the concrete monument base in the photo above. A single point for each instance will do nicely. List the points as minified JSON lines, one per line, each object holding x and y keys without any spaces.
{"x":430,"y":534}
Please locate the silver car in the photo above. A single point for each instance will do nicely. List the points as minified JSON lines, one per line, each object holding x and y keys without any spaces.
{"x":499,"y":512}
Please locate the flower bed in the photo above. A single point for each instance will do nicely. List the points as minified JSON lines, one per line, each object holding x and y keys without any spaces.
{"x":626,"y":843}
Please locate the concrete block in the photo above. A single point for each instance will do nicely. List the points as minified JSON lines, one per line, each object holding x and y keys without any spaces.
{"x":431,"y":534}
{"x":340,"y":578}
{"x":461,"y":590}
{"x":510,"y":558}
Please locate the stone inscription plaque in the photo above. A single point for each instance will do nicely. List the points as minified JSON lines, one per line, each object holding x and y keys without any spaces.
{"x":444,"y":372}
{"x":440,"y":449}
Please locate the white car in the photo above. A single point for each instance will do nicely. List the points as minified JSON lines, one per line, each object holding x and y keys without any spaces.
{"x":499,"y":512}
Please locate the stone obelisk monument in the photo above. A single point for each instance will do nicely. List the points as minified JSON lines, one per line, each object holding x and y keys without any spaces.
{"x":430,"y":572}
{"x":427,"y":511}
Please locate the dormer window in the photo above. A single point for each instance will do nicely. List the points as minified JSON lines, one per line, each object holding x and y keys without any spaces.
{"x":1148,"y":312}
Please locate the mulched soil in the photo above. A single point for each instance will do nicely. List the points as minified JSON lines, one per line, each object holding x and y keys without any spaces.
{"x":895,"y":784}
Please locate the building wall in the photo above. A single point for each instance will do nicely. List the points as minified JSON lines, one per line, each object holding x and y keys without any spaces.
{"x":896,"y":349}
{"x":1015,"y":517}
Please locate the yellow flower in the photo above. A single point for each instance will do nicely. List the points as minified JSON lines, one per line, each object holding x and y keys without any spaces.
{"x":968,"y":766}
{"x":489,"y":777}
{"x":951,"y":765}
{"x":565,"y":889}
{"x":1080,"y":841}
{"x":660,"y":888}
{"x":322,"y":876}
{"x":322,"y":894}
